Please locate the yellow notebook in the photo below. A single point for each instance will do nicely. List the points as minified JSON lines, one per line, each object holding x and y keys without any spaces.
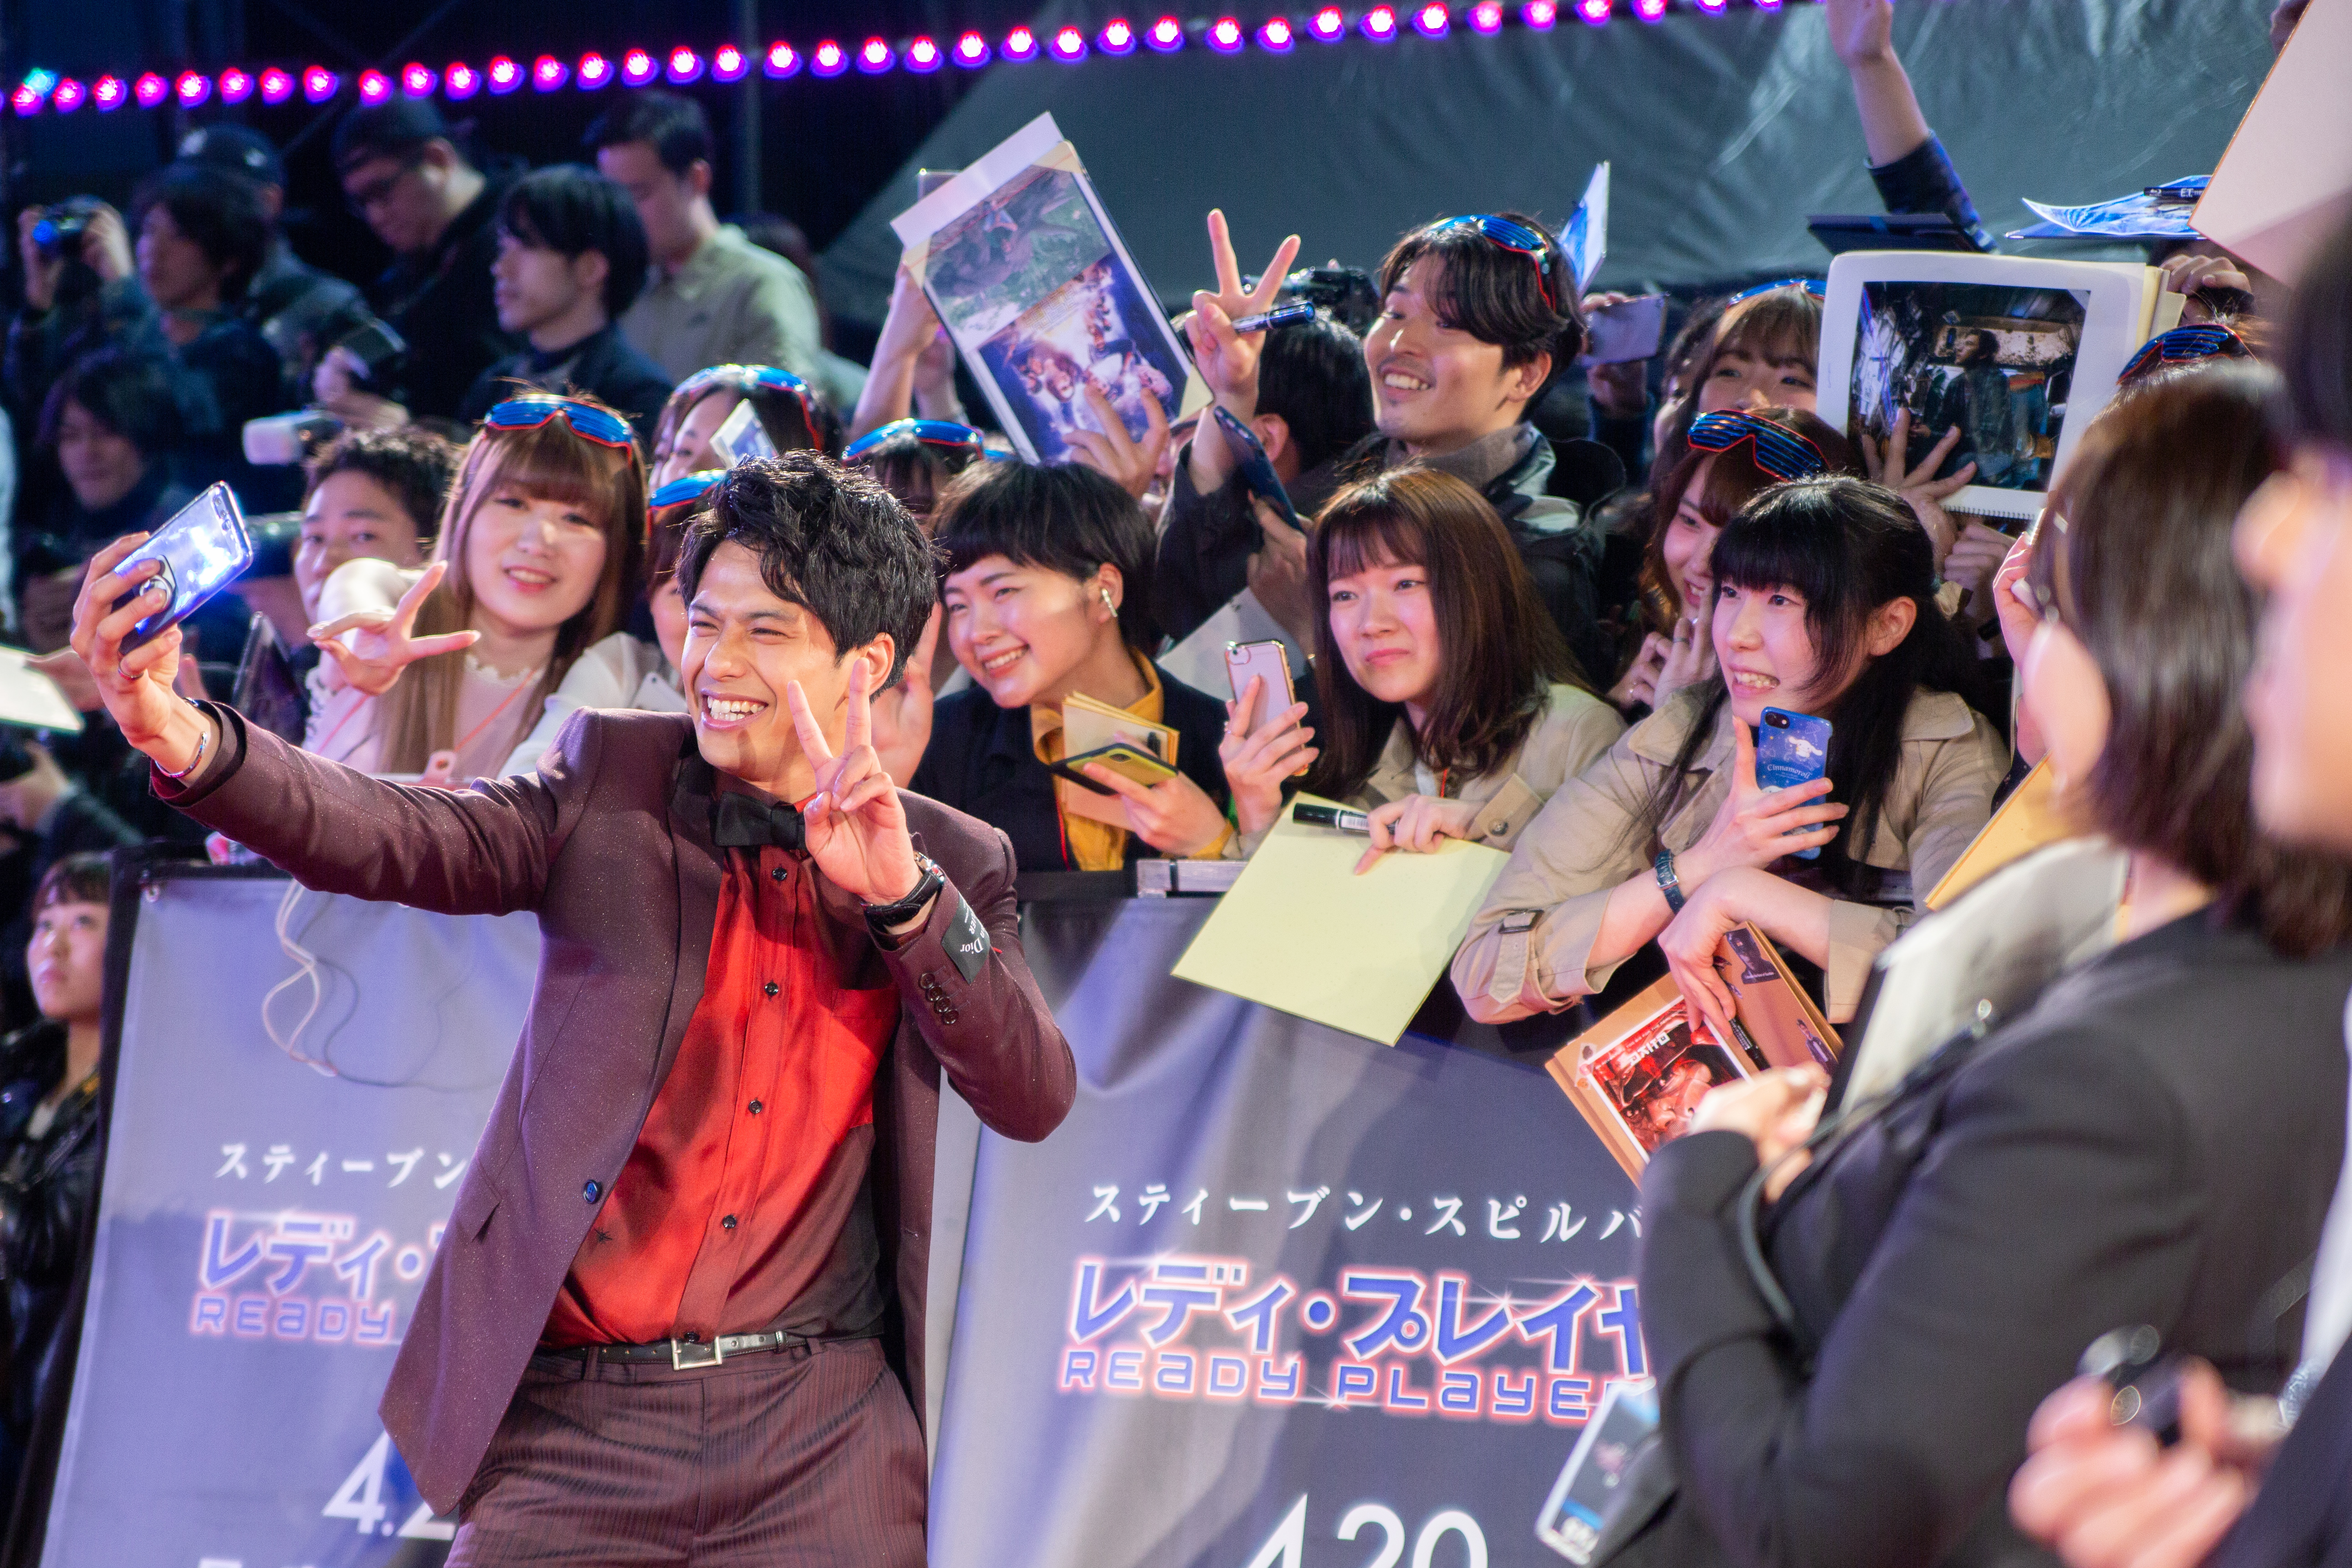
{"x":2028,"y":820}
{"x":1090,"y":726}
{"x":1302,"y":933}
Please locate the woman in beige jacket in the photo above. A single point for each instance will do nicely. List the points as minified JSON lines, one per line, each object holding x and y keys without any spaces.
{"x":1450,"y":705}
{"x":1825,"y":605}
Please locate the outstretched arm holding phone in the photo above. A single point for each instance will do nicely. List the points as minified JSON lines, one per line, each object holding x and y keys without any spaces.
{"x":476,"y":852}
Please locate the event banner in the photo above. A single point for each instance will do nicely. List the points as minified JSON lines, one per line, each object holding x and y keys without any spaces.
{"x":290,"y":1124}
{"x":1274,"y":1295}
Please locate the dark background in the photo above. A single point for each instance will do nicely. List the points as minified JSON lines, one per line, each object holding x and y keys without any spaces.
{"x":827,"y":145}
{"x":1725,"y":132}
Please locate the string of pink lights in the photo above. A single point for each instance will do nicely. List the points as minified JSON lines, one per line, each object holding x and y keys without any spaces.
{"x":42,"y":90}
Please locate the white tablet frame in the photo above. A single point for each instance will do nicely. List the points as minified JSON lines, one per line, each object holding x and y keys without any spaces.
{"x":2119,"y":298}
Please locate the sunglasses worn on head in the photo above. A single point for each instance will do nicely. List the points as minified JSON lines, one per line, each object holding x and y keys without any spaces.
{"x":1779,"y":451}
{"x":2184,"y":346}
{"x":1812,"y":286}
{"x":583,"y":420}
{"x":1511,"y":235}
{"x":764,"y":378}
{"x":930,"y":432}
{"x":685,"y":488}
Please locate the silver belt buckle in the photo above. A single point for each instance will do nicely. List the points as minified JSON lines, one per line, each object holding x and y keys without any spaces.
{"x":684,"y":1354}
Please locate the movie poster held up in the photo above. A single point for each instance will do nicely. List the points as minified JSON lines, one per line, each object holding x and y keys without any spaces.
{"x":1040,"y":295}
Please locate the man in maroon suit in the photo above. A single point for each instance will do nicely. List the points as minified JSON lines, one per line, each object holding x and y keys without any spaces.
{"x":693,"y":1241}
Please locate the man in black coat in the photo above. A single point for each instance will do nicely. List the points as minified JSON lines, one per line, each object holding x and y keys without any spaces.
{"x":403,"y":170}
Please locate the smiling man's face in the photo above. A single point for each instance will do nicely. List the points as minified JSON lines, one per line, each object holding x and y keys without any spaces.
{"x":744,"y":645}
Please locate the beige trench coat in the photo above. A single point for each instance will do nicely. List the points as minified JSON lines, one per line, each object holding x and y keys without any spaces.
{"x":1585,"y":842}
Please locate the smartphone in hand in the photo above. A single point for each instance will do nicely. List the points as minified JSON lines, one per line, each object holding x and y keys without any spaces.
{"x":202,"y":549}
{"x":1255,"y":468}
{"x":1792,"y":749}
{"x":1269,"y":662}
{"x":1628,"y":331}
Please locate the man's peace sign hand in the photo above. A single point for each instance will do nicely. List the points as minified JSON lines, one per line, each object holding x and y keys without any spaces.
{"x":857,"y":828}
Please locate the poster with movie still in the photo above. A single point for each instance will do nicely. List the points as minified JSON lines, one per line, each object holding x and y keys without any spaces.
{"x":1639,"y":1074}
{"x":1033,"y":282}
{"x":1993,"y":361}
{"x":1639,"y":1077}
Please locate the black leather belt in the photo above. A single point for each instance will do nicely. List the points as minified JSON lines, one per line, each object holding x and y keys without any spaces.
{"x":684,"y":1354}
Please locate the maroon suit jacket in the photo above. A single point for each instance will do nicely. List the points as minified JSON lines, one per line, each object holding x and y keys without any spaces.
{"x":610,"y":844}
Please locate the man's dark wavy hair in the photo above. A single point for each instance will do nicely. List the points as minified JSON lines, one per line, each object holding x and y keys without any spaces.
{"x":1494,"y":294}
{"x":828,"y":538}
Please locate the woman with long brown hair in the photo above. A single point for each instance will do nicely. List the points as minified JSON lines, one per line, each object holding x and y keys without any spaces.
{"x":545,"y":529}
{"x":1450,"y":706}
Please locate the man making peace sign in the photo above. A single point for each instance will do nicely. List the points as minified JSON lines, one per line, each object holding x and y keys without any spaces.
{"x":659,"y":1324}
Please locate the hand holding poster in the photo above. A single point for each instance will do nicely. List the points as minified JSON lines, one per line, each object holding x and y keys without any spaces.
{"x":1038,"y":291}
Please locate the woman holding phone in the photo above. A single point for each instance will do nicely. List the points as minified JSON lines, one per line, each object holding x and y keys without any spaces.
{"x":1046,"y":591}
{"x":1450,"y":706}
{"x":1824,"y":603}
{"x":2152,"y":1140}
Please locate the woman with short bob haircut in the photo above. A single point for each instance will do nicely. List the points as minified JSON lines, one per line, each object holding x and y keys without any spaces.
{"x":1824,"y":606}
{"x":1451,"y":709}
{"x":2152,"y":1140}
{"x":1046,"y":594}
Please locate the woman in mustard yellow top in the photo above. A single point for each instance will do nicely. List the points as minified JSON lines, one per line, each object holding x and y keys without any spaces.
{"x":1046,"y":594}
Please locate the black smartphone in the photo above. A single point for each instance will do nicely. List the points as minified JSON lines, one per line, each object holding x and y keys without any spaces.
{"x":202,"y":549}
{"x":1255,"y":468}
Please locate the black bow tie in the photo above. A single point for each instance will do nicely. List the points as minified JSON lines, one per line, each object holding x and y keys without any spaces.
{"x":739,"y":821}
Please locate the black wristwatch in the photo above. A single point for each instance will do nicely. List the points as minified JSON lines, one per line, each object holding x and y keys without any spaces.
{"x":880,"y":917}
{"x":1668,"y":883}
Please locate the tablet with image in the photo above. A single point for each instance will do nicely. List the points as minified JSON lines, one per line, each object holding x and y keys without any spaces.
{"x":2018,"y":354}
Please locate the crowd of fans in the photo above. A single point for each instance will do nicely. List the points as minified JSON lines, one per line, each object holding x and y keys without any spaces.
{"x":1542,"y":612}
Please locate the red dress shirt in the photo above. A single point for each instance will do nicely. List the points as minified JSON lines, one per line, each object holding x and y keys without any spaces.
{"x":752,"y":1162}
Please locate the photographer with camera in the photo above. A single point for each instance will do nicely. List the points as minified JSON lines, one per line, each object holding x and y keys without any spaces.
{"x":403,"y":171}
{"x":80,"y":292}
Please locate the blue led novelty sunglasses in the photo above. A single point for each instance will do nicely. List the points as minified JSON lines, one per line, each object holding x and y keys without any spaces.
{"x":1511,"y":235}
{"x":584,"y":420}
{"x":2184,"y":345}
{"x":684,"y":488}
{"x":745,"y":378}
{"x":1779,"y":451}
{"x":930,"y":432}
{"x":1812,"y":286}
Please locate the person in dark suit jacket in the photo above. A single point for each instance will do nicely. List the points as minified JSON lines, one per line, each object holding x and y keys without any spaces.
{"x":2237,"y":1491}
{"x":629,"y":1344}
{"x":1047,"y":596}
{"x":2153,"y":1142}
